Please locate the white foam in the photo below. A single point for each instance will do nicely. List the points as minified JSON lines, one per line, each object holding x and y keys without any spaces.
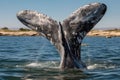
{"x":47,"y":64}
{"x":34,"y":65}
{"x":104,"y":66}
{"x":92,"y":66}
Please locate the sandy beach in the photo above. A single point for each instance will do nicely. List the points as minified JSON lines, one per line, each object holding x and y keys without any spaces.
{"x":18,"y":33}
{"x":105,"y":33}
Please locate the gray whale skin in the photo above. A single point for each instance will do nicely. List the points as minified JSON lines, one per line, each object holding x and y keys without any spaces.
{"x":68,"y":35}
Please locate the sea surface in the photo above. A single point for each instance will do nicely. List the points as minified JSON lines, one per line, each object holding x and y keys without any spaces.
{"x":34,"y":58}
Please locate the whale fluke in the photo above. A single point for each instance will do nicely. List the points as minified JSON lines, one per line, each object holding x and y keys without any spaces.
{"x":68,"y":35}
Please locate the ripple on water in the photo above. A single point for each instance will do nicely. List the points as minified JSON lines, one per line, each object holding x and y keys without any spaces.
{"x":34,"y":58}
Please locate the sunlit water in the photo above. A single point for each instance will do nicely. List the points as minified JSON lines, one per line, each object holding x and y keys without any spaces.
{"x":34,"y":58}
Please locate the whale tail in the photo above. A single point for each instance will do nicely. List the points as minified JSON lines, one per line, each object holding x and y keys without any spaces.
{"x":68,"y":35}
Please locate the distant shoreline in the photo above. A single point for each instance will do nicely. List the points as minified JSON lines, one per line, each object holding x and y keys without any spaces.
{"x":104,"y":33}
{"x":18,"y":33}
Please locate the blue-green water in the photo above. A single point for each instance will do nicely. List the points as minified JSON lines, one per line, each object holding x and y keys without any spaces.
{"x":34,"y":58}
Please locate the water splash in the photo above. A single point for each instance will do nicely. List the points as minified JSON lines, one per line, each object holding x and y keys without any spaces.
{"x":34,"y":64}
{"x":44,"y":64}
{"x":100,"y":66}
{"x":47,"y":64}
